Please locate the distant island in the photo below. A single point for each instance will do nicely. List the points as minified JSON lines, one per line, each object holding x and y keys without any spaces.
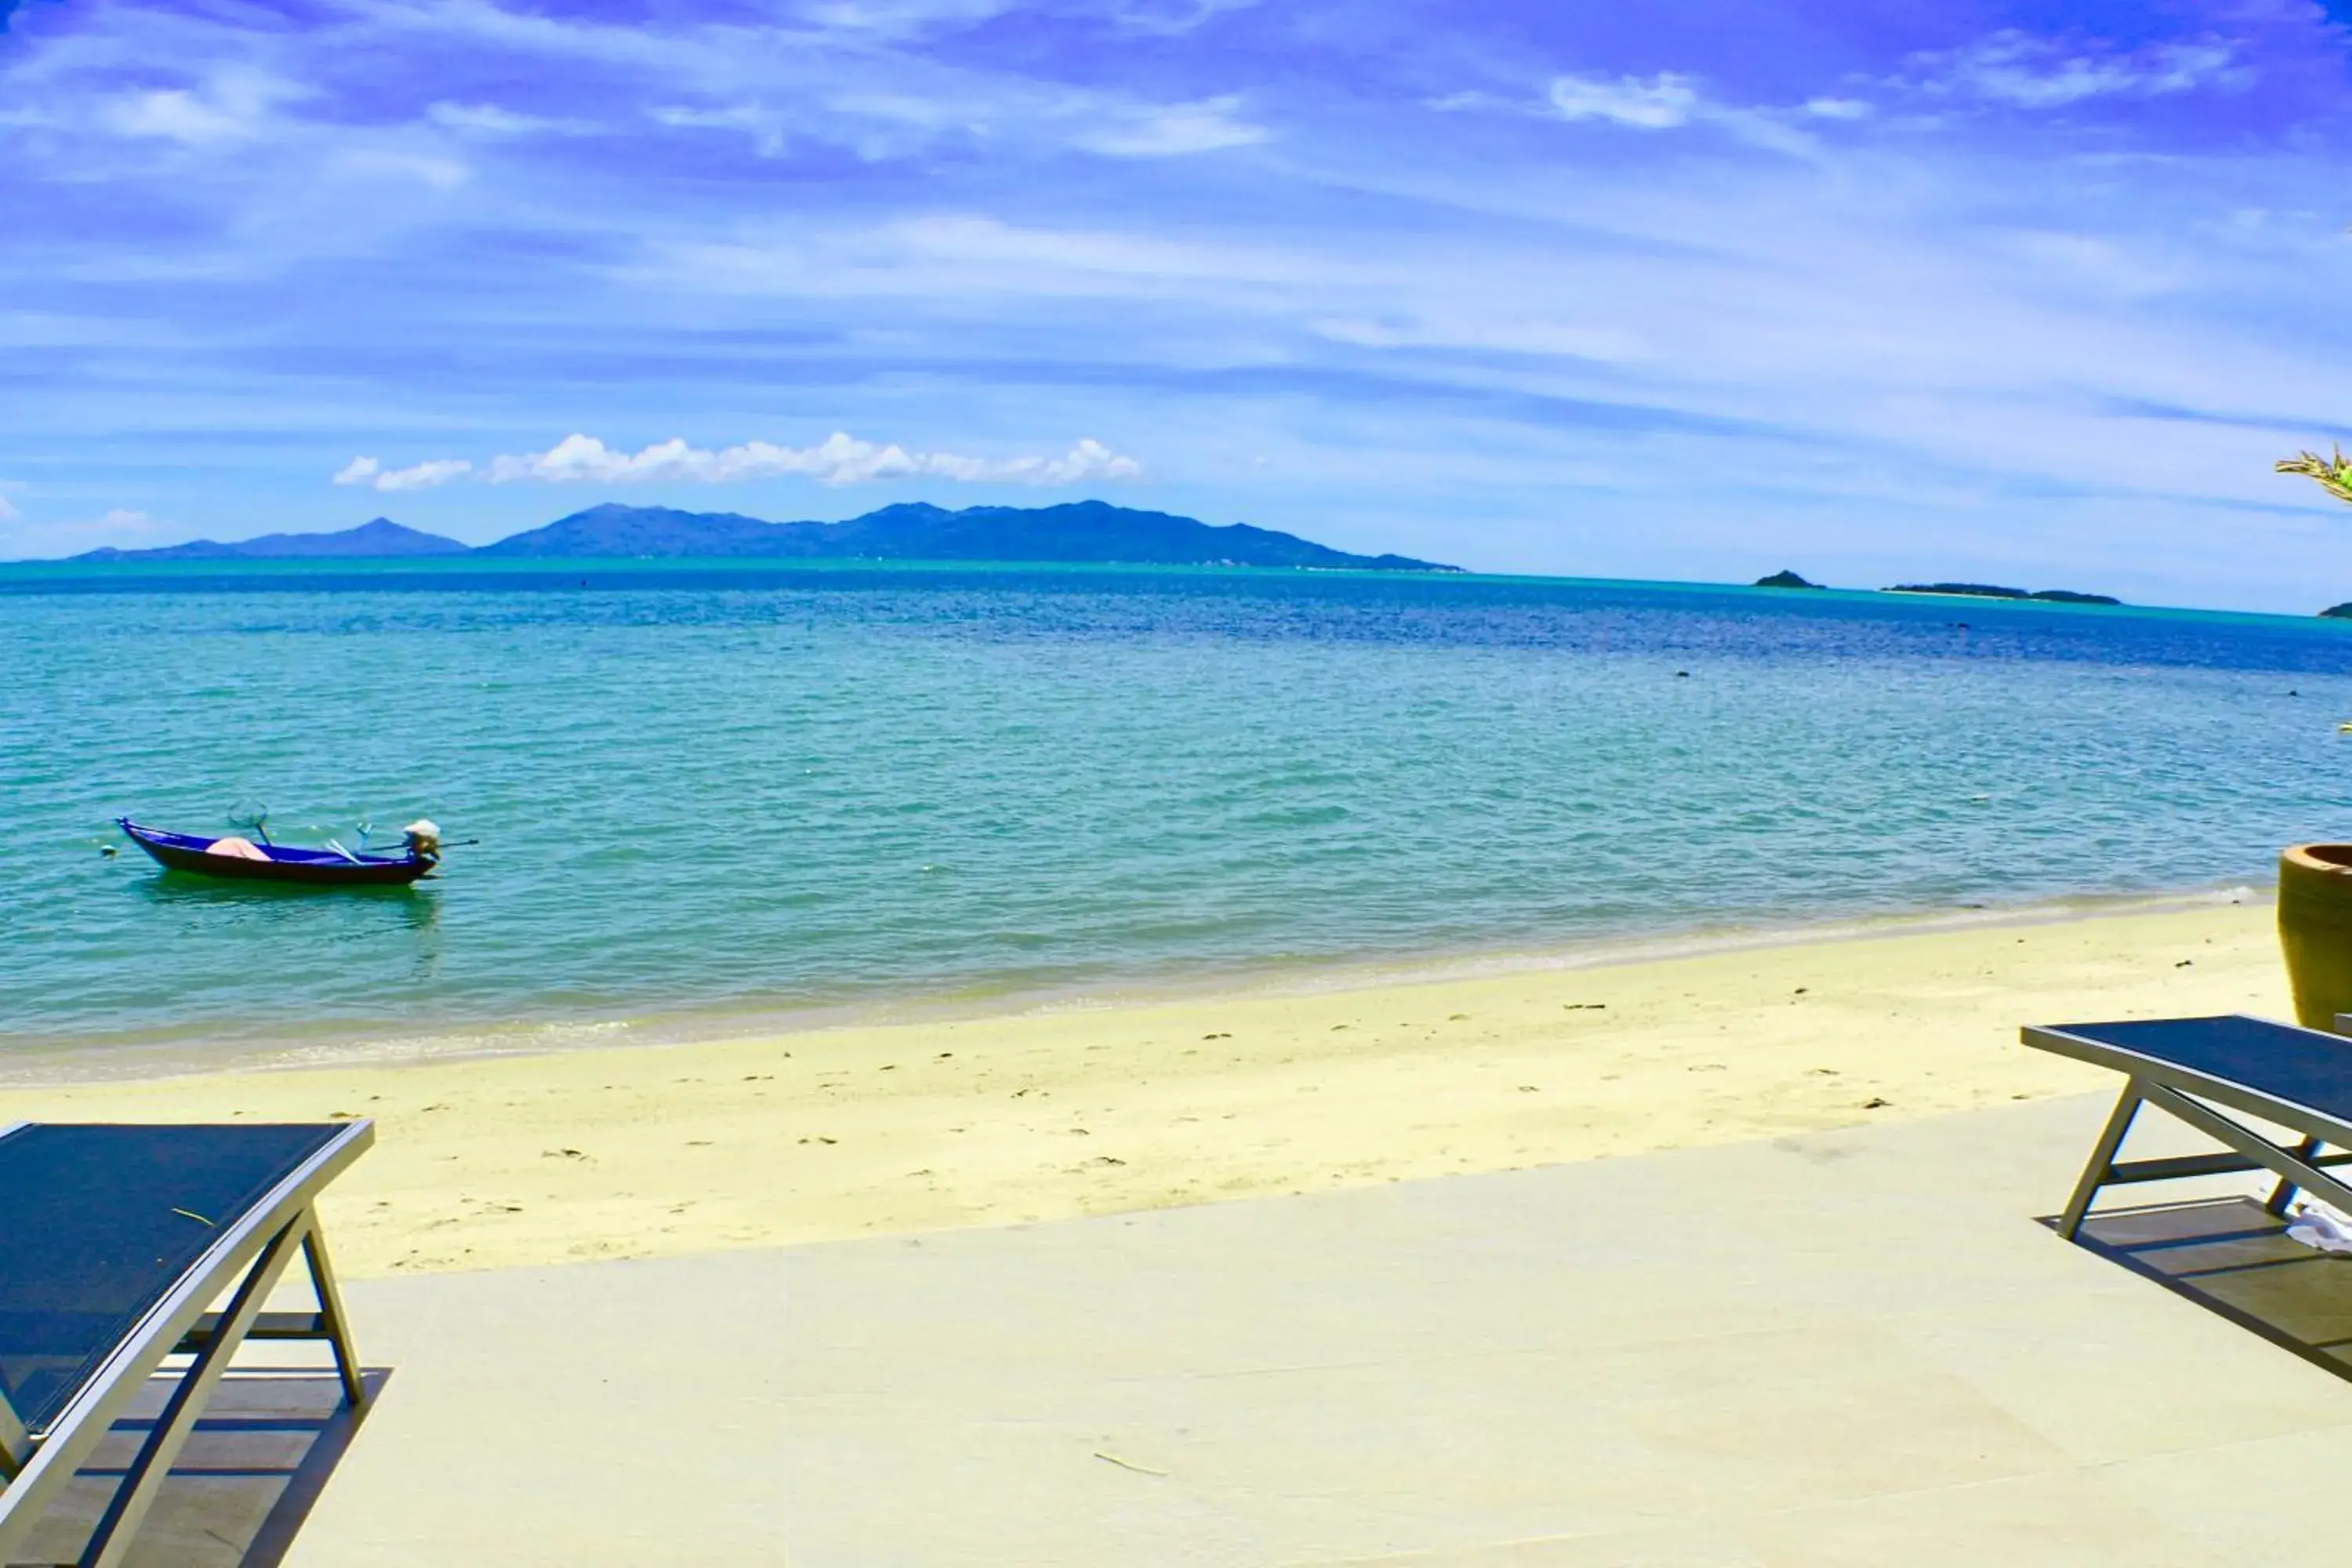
{"x":1987,"y":591}
{"x":2337,"y":613}
{"x":1077,"y":532}
{"x":380,"y":538}
{"x":1784,"y":580}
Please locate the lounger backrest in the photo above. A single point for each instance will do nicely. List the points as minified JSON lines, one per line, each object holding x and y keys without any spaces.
{"x":97,"y":1222}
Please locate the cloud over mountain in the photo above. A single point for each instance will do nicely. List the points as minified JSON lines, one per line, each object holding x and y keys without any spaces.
{"x":839,"y":459}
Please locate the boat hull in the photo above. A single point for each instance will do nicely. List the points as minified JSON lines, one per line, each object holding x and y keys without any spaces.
{"x":302,"y":867}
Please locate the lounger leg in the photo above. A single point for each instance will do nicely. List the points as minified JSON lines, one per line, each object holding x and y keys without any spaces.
{"x":2289,"y":1166}
{"x":2284,"y":1193}
{"x":2102,"y":1159}
{"x":330,"y":1312}
{"x":15,"y":1443}
{"x":120,"y":1523}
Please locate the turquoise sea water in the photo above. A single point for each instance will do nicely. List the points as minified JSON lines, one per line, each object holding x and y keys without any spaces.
{"x":736,"y":787}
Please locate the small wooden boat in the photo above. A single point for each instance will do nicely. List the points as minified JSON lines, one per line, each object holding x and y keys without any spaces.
{"x":240,"y":857}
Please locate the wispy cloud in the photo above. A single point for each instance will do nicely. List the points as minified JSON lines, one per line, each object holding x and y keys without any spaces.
{"x":8,"y":512}
{"x":839,"y":459}
{"x":1668,"y":101}
{"x":1661,"y":103}
{"x":1495,"y":331}
{"x":2017,"y":68}
{"x":491,"y":120}
{"x":969,"y":238}
{"x":900,"y":19}
{"x":1172,"y":18}
{"x":369,"y":472}
{"x":942,"y":256}
{"x":885,"y":122}
{"x":770,"y":130}
{"x":234,"y":105}
{"x":1174,"y":130}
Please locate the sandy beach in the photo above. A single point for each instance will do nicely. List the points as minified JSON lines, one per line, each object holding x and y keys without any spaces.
{"x":653,"y":1151}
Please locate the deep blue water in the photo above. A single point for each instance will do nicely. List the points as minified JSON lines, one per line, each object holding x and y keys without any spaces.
{"x":733,"y":786}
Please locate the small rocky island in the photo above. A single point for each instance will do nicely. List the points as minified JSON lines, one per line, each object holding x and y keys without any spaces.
{"x":1784,"y":580}
{"x":2337,"y":613}
{"x":1989,"y":591}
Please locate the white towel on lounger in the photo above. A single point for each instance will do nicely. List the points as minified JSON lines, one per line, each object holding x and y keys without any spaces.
{"x":2317,"y":1226}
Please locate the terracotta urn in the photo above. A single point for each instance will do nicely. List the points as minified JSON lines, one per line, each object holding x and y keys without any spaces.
{"x":2315,"y":922}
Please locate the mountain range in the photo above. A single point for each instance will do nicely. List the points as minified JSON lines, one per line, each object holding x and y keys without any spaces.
{"x":1078,"y":531}
{"x":381,"y":537}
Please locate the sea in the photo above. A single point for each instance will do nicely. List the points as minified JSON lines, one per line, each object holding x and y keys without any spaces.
{"x":692,"y":797}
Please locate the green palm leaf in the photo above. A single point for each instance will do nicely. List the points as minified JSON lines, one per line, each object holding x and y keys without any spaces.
{"x":2333,"y":474}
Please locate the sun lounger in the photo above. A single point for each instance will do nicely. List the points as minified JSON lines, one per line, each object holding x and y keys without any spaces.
{"x":115,"y":1242}
{"x":2199,"y":1068}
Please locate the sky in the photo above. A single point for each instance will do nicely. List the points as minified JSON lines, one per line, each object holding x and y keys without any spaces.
{"x":1875,"y":290}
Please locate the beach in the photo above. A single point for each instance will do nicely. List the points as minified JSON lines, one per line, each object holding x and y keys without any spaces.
{"x":829,"y":1134}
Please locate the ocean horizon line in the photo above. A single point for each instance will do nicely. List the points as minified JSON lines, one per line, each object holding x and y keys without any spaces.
{"x":382,"y":573}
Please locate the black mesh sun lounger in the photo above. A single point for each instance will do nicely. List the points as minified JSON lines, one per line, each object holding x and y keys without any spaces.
{"x":2201,"y":1068}
{"x":115,"y":1242}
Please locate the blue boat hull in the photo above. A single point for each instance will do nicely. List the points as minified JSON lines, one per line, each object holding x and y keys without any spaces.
{"x":307,"y":868}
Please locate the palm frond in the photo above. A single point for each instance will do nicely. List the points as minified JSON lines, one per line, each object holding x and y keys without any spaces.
{"x":2333,"y":474}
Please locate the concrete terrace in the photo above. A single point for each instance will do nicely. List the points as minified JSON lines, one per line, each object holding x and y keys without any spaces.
{"x":1853,"y":1347}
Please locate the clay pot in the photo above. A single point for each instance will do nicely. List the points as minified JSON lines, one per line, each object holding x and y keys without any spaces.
{"x":2314,"y":920}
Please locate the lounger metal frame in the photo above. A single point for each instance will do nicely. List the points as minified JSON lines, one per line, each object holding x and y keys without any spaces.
{"x":2300,"y":1166}
{"x":261,"y":1243}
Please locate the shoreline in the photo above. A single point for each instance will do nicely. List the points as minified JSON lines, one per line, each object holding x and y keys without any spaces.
{"x":504,"y":1161}
{"x":39,"y":1061}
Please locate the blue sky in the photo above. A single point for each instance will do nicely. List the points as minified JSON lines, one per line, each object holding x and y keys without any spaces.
{"x":2033,"y":294}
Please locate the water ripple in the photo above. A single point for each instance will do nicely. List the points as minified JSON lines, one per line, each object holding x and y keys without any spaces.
{"x":756,"y":787}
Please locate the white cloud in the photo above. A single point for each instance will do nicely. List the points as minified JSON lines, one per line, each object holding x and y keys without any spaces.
{"x":923,"y":112}
{"x":2010,"y":67}
{"x":423,"y":476}
{"x":1089,"y":459}
{"x":1664,"y":101}
{"x":839,"y":459}
{"x":176,"y":115}
{"x":1175,"y":130}
{"x":1172,"y":18}
{"x":880,"y":124}
{"x":489,"y":119}
{"x":234,"y":106}
{"x":768,"y":130}
{"x":942,"y":256}
{"x":898,"y":19}
{"x":1667,"y":101}
{"x":8,"y":512}
{"x":966,"y":239}
{"x":1474,"y":99}
{"x":376,"y":162}
{"x":1496,"y":331}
